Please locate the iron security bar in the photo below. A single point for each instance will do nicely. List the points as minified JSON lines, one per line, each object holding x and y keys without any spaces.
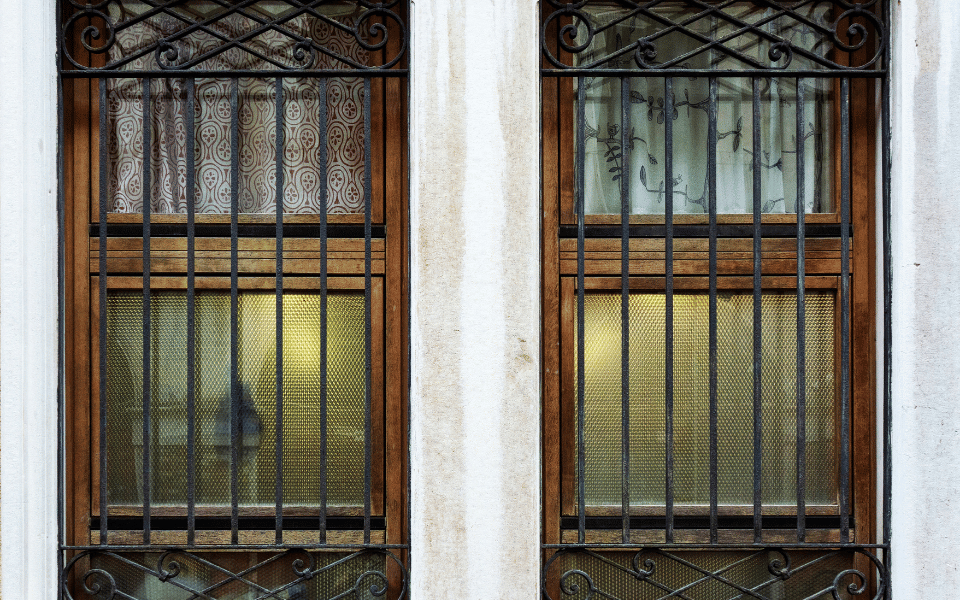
{"x":723,"y":420}
{"x":743,"y":38}
{"x":236,"y":426}
{"x":627,"y":272}
{"x":98,"y":27}
{"x":243,"y":119}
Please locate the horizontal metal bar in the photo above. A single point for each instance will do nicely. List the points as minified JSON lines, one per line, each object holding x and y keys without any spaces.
{"x":711,"y":547}
{"x":239,"y":547}
{"x":225,"y":74}
{"x":250,"y":230}
{"x":699,"y":522}
{"x":265,"y":523}
{"x":747,"y":73}
{"x":778,"y":230}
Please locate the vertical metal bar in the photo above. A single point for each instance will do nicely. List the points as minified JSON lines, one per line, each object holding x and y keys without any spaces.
{"x":367,"y":238}
{"x":147,"y":122}
{"x":61,"y":319}
{"x":887,"y":296}
{"x":757,"y":316}
{"x":102,"y":280}
{"x":801,"y":322}
{"x":625,"y":306}
{"x":887,"y":249}
{"x":844,"y":310}
{"x":190,"y":151}
{"x":712,"y":207}
{"x":278,"y":450}
{"x":668,"y":313}
{"x":323,"y":310}
{"x":581,"y":411}
{"x":234,"y":314}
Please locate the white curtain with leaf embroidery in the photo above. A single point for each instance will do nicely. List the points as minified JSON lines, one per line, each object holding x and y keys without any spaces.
{"x":645,"y":153}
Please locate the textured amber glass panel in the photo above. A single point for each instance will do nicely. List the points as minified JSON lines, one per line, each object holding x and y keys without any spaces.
{"x":256,"y":367}
{"x":602,"y":429}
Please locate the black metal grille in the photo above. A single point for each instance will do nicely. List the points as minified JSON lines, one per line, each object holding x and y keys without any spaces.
{"x":280,"y":575}
{"x":195,"y":382}
{"x":651,"y":540}
{"x":97,"y":26}
{"x":740,"y":37}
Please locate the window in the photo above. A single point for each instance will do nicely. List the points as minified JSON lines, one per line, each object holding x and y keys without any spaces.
{"x":234,"y":177}
{"x":708,"y":298}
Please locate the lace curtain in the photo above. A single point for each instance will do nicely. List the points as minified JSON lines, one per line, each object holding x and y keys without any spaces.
{"x":644,"y":157}
{"x":302,"y":135}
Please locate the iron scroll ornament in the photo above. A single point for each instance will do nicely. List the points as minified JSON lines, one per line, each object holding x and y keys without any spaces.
{"x":172,"y":565}
{"x":575,"y":31}
{"x":643,"y":569}
{"x":96,"y":28}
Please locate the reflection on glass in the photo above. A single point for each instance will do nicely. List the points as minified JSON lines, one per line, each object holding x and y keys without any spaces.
{"x":257,"y":410}
{"x":685,"y":573}
{"x":602,"y":431}
{"x":210,"y":575}
{"x":644,"y":158}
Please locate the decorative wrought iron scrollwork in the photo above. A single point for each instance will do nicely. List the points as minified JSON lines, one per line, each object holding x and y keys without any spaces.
{"x":286,"y":575}
{"x":775,"y":36}
{"x":248,"y":34}
{"x":762,"y":574}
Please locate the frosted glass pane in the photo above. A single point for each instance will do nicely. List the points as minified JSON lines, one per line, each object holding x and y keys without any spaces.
{"x":692,"y":398}
{"x":257,"y":376}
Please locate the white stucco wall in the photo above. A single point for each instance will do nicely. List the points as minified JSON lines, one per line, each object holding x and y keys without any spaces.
{"x":28,"y":296}
{"x":475,"y":319}
{"x":926,"y":300}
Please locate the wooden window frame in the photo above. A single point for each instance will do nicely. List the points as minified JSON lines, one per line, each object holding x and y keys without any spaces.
{"x":567,"y":424}
{"x":335,"y":285}
{"x":168,"y":259}
{"x":558,"y":265}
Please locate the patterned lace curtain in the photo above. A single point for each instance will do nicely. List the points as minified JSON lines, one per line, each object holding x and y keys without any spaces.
{"x":257,"y":130}
{"x":604,"y":159}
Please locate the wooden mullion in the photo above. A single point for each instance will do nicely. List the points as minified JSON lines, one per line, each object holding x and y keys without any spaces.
{"x":71,"y":522}
{"x":378,"y":143}
{"x":567,"y":421}
{"x":392,"y":100}
{"x":550,"y":274}
{"x":85,"y":150}
{"x":248,"y":266}
{"x":242,"y":219}
{"x":377,"y":396}
{"x":93,"y":427}
{"x":863,"y":305}
{"x":701,"y":537}
{"x":701,"y":219}
{"x":565,"y":151}
{"x":222,"y":283}
{"x":163,"y":538}
{"x":725,"y":267}
{"x":404,"y":526}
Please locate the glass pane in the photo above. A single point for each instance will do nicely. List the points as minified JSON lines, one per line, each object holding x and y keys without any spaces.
{"x":645,"y":155}
{"x":692,"y":398}
{"x":257,"y":376}
{"x":256,"y":117}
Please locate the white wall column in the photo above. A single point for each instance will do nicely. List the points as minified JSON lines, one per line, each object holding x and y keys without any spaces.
{"x":28,"y":296}
{"x":475,"y":314}
{"x":926,"y":300}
